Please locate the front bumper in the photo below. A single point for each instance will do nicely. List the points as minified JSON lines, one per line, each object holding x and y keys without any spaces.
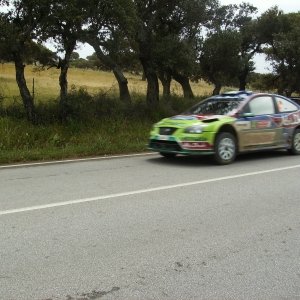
{"x":184,"y":147}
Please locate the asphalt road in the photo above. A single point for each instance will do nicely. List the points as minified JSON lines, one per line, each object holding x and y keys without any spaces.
{"x":146,"y":227}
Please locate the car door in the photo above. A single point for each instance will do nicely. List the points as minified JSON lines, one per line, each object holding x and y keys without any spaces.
{"x":259,"y":127}
{"x":289,"y":115}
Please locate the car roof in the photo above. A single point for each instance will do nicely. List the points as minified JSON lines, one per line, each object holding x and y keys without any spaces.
{"x":241,"y":95}
{"x":233,"y":95}
{"x":237,"y":93}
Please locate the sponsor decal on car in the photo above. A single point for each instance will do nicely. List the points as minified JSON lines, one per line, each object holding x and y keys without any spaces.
{"x":262,"y":124}
{"x":291,"y":119}
{"x":278,"y":121}
{"x":243,"y":124}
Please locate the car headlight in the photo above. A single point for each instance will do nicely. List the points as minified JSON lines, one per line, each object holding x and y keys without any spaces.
{"x":194,"y":129}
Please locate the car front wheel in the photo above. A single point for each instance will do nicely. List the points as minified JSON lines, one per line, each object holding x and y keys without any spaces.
{"x":225,"y":148}
{"x":295,"y":147}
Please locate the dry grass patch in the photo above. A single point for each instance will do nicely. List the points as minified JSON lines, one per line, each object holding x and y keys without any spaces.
{"x":46,"y":86}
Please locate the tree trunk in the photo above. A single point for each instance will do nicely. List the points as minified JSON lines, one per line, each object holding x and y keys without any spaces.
{"x":281,"y":86}
{"x":280,"y":91}
{"x":243,"y":78}
{"x":63,"y":82}
{"x":152,"y":84}
{"x":217,"y":88}
{"x":145,"y":42}
{"x":287,"y":93}
{"x":243,"y":81}
{"x":185,"y":84}
{"x":242,"y":85}
{"x":24,"y":91}
{"x":111,"y":64}
{"x":123,"y":85}
{"x":63,"y":78}
{"x":165,"y":79}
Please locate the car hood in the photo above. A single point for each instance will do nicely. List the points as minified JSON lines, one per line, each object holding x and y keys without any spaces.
{"x":181,"y":121}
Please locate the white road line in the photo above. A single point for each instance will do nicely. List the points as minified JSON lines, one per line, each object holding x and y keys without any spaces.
{"x":74,"y":160}
{"x":142,"y":191}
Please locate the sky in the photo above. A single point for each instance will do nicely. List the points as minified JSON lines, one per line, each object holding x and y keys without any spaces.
{"x":261,"y":65}
{"x":288,"y":6}
{"x":262,"y":5}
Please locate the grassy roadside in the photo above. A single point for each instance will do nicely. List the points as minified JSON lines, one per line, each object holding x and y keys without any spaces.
{"x":98,"y":123}
{"x":96,"y":126}
{"x":21,"y":142}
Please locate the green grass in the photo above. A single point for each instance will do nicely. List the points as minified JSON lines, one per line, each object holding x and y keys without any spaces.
{"x":22,"y":142}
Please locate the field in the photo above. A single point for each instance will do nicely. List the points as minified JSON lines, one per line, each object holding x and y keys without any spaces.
{"x":46,"y":87}
{"x":98,"y":124}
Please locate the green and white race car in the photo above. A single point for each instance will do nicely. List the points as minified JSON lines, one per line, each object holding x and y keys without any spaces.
{"x":228,"y":124}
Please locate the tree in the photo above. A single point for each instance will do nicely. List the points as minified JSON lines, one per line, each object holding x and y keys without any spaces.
{"x":95,"y":63}
{"x":108,"y":27}
{"x":239,"y":19}
{"x":17,"y":30}
{"x":263,"y":82}
{"x":197,"y":14}
{"x":284,"y":50}
{"x":164,"y":30}
{"x":74,"y":56}
{"x":219,"y":59}
{"x":64,"y":26}
{"x":178,"y":67}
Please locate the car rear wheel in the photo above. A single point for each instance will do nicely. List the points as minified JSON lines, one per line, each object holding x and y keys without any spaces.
{"x":167,"y":154}
{"x":295,"y":147}
{"x":225,"y":148}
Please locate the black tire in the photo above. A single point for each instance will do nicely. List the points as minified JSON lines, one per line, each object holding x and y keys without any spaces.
{"x":167,"y":154}
{"x":295,"y":145}
{"x":225,"y":148}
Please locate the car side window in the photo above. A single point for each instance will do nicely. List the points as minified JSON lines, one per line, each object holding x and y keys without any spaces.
{"x":262,"y":105}
{"x":285,"y":105}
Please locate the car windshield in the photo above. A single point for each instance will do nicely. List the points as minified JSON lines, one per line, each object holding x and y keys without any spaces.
{"x":215,"y":106}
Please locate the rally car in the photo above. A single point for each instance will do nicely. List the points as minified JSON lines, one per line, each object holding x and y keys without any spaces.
{"x":228,"y":124}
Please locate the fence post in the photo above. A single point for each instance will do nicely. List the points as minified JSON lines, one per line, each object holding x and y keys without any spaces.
{"x":33,"y":88}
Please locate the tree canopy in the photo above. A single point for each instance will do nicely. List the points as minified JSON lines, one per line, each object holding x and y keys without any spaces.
{"x":167,"y":40}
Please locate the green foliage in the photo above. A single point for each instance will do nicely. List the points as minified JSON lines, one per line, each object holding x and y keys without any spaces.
{"x":283,"y":48}
{"x":237,"y":21}
{"x":219,"y":60}
{"x":269,"y":24}
{"x":263,"y":82}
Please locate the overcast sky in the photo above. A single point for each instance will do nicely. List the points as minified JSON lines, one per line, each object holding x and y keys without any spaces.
{"x":286,"y":5}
